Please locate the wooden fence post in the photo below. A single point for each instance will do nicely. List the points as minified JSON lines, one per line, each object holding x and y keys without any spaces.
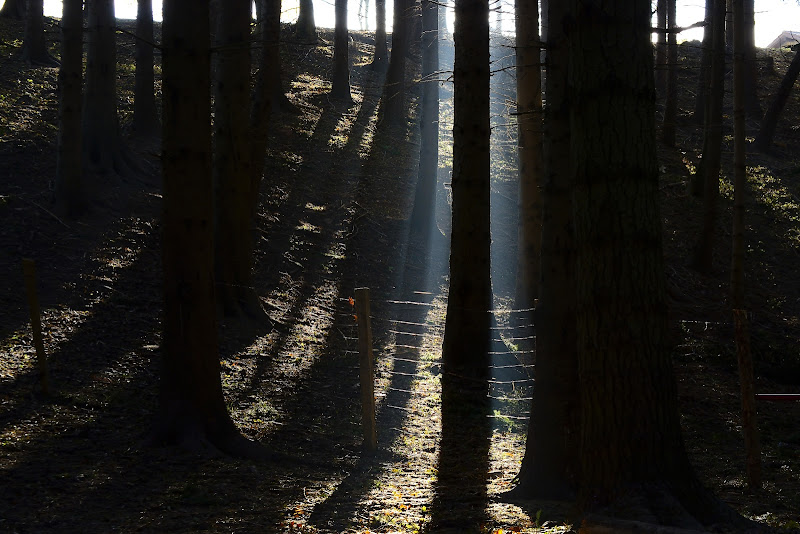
{"x":751,"y":442}
{"x":367,"y":371}
{"x":29,"y":270}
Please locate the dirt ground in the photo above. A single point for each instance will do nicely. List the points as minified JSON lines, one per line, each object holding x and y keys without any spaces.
{"x":335,"y":204}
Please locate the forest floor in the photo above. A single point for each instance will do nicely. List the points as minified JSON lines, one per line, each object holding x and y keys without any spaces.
{"x":335,"y":204}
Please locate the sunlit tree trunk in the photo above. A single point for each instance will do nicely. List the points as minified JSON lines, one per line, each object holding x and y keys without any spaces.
{"x":529,"y":148}
{"x":70,"y":196}
{"x":671,"y":100}
{"x":145,"y":116}
{"x":423,"y":216}
{"x":708,"y":171}
{"x":549,"y":466}
{"x":34,"y":48}
{"x":192,"y":409}
{"x":392,"y":108}
{"x":381,"y":51}
{"x":340,"y":85}
{"x":466,"y":338}
{"x":306,"y":29}
{"x":632,"y":453}
{"x":770,"y":121}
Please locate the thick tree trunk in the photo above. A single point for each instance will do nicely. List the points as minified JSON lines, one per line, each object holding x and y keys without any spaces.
{"x":192,"y":409}
{"x":770,"y":121}
{"x":103,"y":149}
{"x":34,"y":48}
{"x":661,"y":45}
{"x":466,"y":338}
{"x":708,"y":171}
{"x":423,"y":216}
{"x":529,"y":149}
{"x":13,"y":9}
{"x":271,"y":26}
{"x":671,"y":101}
{"x":549,"y":466}
{"x":704,"y":75}
{"x":233,"y":222}
{"x":340,"y":86}
{"x":145,"y":115}
{"x":305,"y":30}
{"x":392,"y":105}
{"x":631,"y":445}
{"x":729,"y":29}
{"x":381,"y":51}
{"x":752,"y":104}
{"x":70,"y":196}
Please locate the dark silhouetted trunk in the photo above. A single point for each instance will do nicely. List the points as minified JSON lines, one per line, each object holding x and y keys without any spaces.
{"x":671,"y":101}
{"x":466,"y":338}
{"x":34,"y":48}
{"x":340,"y":86}
{"x":145,"y":116}
{"x":305,"y":30}
{"x":752,"y":105}
{"x":661,"y":45}
{"x":770,"y":121}
{"x":271,"y":26}
{"x":529,"y":149}
{"x":632,"y":453}
{"x":70,"y":196}
{"x":423,"y":216}
{"x":549,"y":466}
{"x":704,"y":75}
{"x":708,"y":170}
{"x":13,"y":9}
{"x":381,"y":51}
{"x":392,"y":107}
{"x":192,"y":410}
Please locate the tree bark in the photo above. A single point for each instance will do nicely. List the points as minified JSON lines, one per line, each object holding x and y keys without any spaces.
{"x":631,"y":444}
{"x":549,"y":468}
{"x":70,"y":196}
{"x":751,"y":102}
{"x":340,"y":86}
{"x":392,"y":107}
{"x":145,"y":115}
{"x":192,"y":409}
{"x":704,"y":75}
{"x":661,"y":45}
{"x":13,"y":9}
{"x":671,"y":101}
{"x":305,"y":30}
{"x":381,"y":51}
{"x":271,"y":26}
{"x":708,"y":170}
{"x":466,"y":338}
{"x":34,"y":48}
{"x":423,"y":216}
{"x":729,"y":29}
{"x":529,"y":150}
{"x":770,"y":122}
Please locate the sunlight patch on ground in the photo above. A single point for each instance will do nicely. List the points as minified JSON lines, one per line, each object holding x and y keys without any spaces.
{"x":365,"y":144}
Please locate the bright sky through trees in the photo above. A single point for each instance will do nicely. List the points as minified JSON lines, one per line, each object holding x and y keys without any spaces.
{"x":772,"y":16}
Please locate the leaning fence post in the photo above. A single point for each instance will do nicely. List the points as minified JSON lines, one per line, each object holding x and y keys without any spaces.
{"x":29,"y":270}
{"x":367,"y":371}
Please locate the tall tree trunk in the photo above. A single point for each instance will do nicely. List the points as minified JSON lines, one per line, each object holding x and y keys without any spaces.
{"x":529,"y":149}
{"x":340,"y":86}
{"x":392,"y":108}
{"x":271,"y":26}
{"x":661,"y":45}
{"x":549,"y":466}
{"x":305,"y":30}
{"x":770,"y":121}
{"x":632,"y":452}
{"x":13,"y":9}
{"x":145,"y":116}
{"x":729,"y":29}
{"x":381,"y":51}
{"x":103,"y":149}
{"x":751,"y":102}
{"x":671,"y":101}
{"x":233,"y":223}
{"x":423,"y":216}
{"x":739,"y":160}
{"x":704,"y":75}
{"x":34,"y":48}
{"x":708,"y":171}
{"x":70,"y":196}
{"x":466,"y":338}
{"x":192,"y":409}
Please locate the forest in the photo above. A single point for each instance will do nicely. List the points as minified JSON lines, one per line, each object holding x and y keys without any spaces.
{"x":439,"y":277}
